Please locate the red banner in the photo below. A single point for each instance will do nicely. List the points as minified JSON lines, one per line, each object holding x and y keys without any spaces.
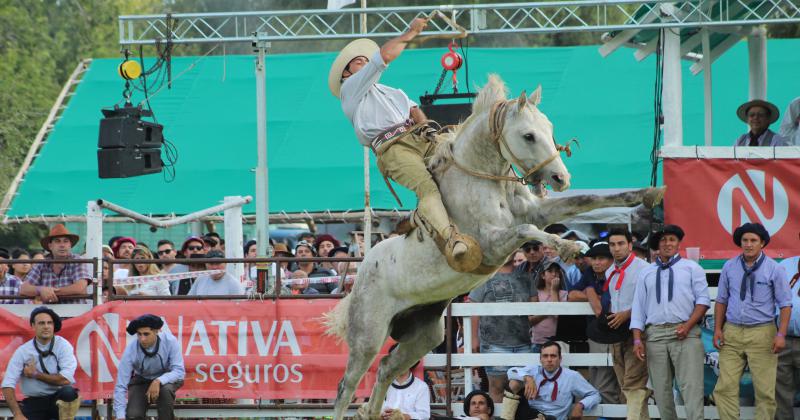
{"x":232,"y":349}
{"x":710,"y":198}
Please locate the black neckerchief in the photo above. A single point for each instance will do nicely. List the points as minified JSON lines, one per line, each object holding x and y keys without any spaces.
{"x":404,"y":386}
{"x":668,"y":266}
{"x":149,"y":354}
{"x":46,"y":353}
{"x":749,"y":273}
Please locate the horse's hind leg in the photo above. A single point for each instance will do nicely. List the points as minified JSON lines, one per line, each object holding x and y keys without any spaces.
{"x":427,"y":334}
{"x":366,"y":333}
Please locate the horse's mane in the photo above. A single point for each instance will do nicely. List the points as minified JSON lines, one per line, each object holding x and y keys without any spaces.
{"x":494,"y":90}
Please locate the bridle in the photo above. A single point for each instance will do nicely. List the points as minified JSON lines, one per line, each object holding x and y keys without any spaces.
{"x":497,"y":118}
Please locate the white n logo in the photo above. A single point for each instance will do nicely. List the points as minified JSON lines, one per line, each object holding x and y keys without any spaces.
{"x":84,"y":348}
{"x":754,"y":196}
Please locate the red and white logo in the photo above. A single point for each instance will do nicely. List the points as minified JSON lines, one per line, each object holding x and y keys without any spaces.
{"x":753,"y":196}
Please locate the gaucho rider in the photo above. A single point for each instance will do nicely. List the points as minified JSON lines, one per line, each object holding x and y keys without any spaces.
{"x":394,"y":127}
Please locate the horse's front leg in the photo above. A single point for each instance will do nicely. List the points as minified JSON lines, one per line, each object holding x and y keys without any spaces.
{"x":504,"y":241}
{"x":552,"y":210}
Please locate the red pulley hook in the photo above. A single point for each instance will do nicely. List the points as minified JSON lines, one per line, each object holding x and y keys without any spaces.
{"x":452,"y":60}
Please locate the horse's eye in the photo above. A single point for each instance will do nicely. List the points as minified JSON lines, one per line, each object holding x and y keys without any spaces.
{"x":529,"y":137}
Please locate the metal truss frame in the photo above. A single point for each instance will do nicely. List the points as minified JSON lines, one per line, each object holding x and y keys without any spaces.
{"x":500,"y":18}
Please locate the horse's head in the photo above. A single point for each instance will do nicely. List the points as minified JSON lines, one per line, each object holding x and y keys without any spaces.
{"x":524,"y":134}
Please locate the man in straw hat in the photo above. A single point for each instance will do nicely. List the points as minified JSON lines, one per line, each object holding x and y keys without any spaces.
{"x":49,"y":281}
{"x":759,"y":115}
{"x":751,"y":286}
{"x":45,"y":368}
{"x":384,"y":117}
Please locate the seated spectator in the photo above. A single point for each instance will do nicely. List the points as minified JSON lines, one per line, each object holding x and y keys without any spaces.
{"x":549,"y":289}
{"x":281,"y":250}
{"x":300,"y":284}
{"x":311,"y":269}
{"x":408,"y":396}
{"x":193,"y":247}
{"x":212,"y":241}
{"x":307,"y":237}
{"x":38,"y":254}
{"x":759,"y":115}
{"x":151,"y":288}
{"x":166,"y":251}
{"x":324,"y":244}
{"x":250,"y":251}
{"x":123,"y":250}
{"x":9,"y":283}
{"x":478,"y":405}
{"x":350,"y":267}
{"x":518,"y":258}
{"x":547,"y":389}
{"x":51,"y":281}
{"x":791,"y":119}
{"x":20,"y":270}
{"x":216,"y":284}
{"x":501,"y":334}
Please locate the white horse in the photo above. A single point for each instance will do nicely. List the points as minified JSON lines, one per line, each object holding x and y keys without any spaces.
{"x":404,"y":283}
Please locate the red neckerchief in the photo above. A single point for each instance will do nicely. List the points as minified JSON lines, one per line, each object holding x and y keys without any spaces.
{"x":554,"y":394}
{"x":796,"y":275}
{"x":621,"y":272}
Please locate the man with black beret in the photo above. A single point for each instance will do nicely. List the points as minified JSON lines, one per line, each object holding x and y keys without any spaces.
{"x":150,"y":371}
{"x":751,"y":286}
{"x":670,"y":301}
{"x":45,"y":367}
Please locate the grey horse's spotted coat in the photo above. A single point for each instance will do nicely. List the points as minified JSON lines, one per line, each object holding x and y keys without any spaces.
{"x":404,"y":281}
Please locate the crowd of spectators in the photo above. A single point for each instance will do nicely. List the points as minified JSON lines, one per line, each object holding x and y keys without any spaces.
{"x":616,"y":273}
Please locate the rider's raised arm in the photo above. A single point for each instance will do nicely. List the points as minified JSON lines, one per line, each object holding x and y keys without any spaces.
{"x":393,"y":47}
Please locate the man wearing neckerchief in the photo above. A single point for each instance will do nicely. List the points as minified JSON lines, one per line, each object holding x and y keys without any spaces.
{"x":45,"y":367}
{"x":621,"y":279}
{"x":789,"y":359}
{"x":408,"y":397}
{"x":150,"y":371}
{"x":670,"y":301}
{"x":751,"y":286}
{"x":549,"y":389}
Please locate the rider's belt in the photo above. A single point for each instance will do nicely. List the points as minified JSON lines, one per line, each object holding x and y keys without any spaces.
{"x":382,"y":141}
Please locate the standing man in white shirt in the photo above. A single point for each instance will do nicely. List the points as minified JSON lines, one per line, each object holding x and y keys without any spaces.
{"x":621,"y":279}
{"x":671,"y":300}
{"x":395,"y":128}
{"x":150,"y":371}
{"x":45,"y":366}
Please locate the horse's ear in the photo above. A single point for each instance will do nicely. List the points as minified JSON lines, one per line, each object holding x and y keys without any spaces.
{"x":522,"y":101}
{"x":536,"y":96}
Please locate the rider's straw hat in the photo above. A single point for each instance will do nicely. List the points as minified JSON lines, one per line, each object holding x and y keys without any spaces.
{"x":360,"y":47}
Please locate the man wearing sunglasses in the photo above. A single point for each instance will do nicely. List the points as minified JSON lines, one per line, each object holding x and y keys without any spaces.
{"x":193,"y":247}
{"x":166,"y":251}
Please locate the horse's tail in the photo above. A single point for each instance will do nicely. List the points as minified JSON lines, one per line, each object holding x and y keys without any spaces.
{"x":335,"y":321}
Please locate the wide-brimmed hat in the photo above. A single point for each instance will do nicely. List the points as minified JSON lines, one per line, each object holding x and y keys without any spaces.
{"x":360,"y":47}
{"x":756,"y":228}
{"x":741,"y":112}
{"x":655,"y":238}
{"x":58,"y":231}
{"x":146,"y":320}
{"x":280,"y":249}
{"x":598,"y":330}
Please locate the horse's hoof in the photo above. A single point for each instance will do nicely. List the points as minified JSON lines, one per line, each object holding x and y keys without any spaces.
{"x":653,"y":196}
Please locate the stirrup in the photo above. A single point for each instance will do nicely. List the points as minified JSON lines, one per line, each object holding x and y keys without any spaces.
{"x":468,"y":261}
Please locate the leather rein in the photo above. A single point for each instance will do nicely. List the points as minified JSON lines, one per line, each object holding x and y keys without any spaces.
{"x":497,"y":117}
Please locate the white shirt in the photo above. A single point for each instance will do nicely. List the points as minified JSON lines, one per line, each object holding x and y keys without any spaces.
{"x":622,"y":299}
{"x":62,"y":361}
{"x":412,"y":398}
{"x":227,"y":285}
{"x":372,"y":107}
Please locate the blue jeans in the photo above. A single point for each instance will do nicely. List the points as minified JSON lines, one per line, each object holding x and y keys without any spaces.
{"x":502,"y":370}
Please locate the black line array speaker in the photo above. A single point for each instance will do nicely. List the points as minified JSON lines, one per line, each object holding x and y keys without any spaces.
{"x":127,"y":145}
